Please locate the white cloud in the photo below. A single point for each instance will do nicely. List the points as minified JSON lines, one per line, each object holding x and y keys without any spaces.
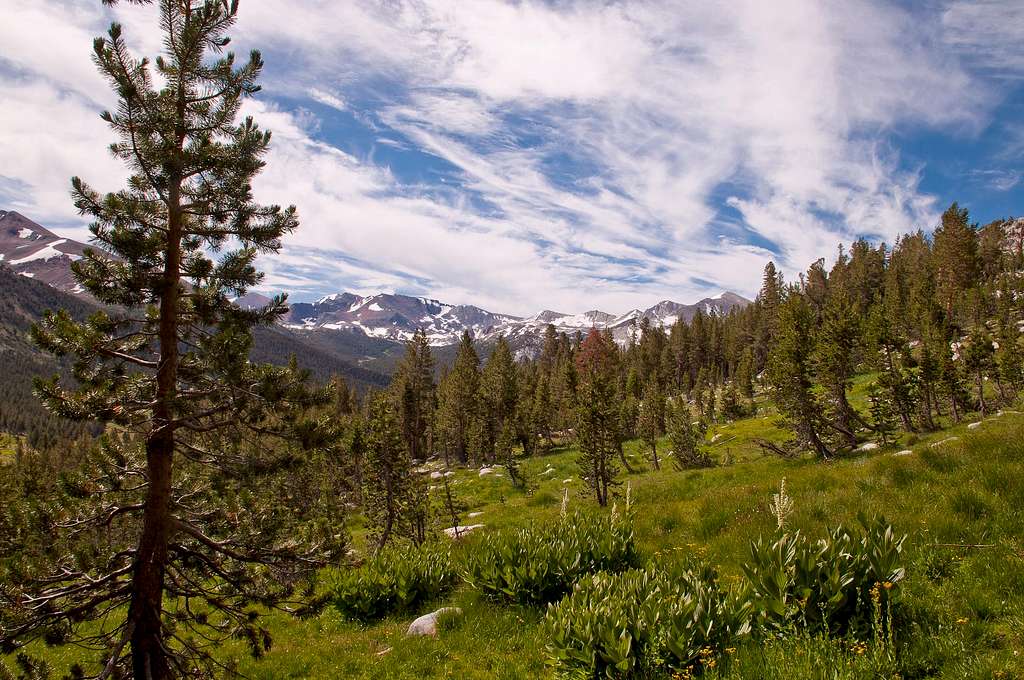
{"x":989,"y":33}
{"x":597,"y":148}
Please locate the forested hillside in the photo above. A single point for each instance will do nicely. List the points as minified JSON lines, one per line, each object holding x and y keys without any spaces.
{"x":22,"y":304}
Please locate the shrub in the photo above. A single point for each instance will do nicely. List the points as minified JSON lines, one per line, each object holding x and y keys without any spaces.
{"x":608,"y":626}
{"x":630,"y":624}
{"x":837,"y":585}
{"x":540,"y":563}
{"x":395,"y":580}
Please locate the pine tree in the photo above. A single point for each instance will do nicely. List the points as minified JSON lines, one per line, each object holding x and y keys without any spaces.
{"x":745,"y":373}
{"x":387,"y":473}
{"x":167,"y":361}
{"x":342,"y":398}
{"x":414,"y":393}
{"x":951,"y":381}
{"x":505,"y":455}
{"x":891,"y":358}
{"x":458,"y":399}
{"x":956,"y":257}
{"x":541,"y":413}
{"x":499,"y":393}
{"x":597,"y":416}
{"x":790,"y":376}
{"x":687,"y":437}
{"x":978,"y":361}
{"x":833,"y":359}
{"x":652,"y":419}
{"x":882,"y":417}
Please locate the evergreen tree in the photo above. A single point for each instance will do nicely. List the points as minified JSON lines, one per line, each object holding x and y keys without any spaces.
{"x":388,"y":492}
{"x":744,"y":379}
{"x":890,"y":356}
{"x":978,"y":361}
{"x":343,"y":402}
{"x":506,"y":456}
{"x":956,"y":257}
{"x":499,"y":393}
{"x":597,"y":416}
{"x":459,"y":399}
{"x":790,"y":374}
{"x":541,"y":413}
{"x":686,"y":437}
{"x":414,"y":393}
{"x":833,"y":359}
{"x":951,"y":382}
{"x":652,"y":419}
{"x":882,"y":417}
{"x":168,"y":362}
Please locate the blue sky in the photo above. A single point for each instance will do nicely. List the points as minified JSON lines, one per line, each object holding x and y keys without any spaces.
{"x":567,"y":155}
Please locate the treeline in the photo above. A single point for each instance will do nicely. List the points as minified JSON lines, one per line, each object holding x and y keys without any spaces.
{"x":938,"y":319}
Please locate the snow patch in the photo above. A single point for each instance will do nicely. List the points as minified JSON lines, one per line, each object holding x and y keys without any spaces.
{"x":47,"y":253}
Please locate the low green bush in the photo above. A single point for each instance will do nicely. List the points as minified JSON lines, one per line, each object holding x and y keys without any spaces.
{"x":540,"y":563}
{"x":399,"y":579}
{"x":842,"y":584}
{"x":636,"y":623}
{"x":608,"y":626}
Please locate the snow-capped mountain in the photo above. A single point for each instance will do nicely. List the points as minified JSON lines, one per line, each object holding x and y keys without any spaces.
{"x":38,"y":253}
{"x":35,"y":252}
{"x":398,"y":317}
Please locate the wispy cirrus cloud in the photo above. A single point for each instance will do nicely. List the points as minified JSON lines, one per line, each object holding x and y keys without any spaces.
{"x":569,"y":155}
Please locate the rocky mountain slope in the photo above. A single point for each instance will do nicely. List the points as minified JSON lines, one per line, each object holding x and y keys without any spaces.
{"x":36,"y":252}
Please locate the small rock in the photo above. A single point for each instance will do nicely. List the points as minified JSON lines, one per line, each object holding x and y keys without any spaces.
{"x":486,"y":471}
{"x":475,"y":514}
{"x":449,"y":474}
{"x":460,"y":531}
{"x":427,"y":624}
{"x":974,"y":426}
{"x":904,"y":452}
{"x":868,"y":446}
{"x":436,"y":475}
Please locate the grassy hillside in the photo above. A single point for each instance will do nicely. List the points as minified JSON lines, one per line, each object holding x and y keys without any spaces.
{"x":959,"y":496}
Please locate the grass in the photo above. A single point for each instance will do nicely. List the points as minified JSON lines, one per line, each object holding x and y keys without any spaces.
{"x":960,"y":501}
{"x":8,"y":447}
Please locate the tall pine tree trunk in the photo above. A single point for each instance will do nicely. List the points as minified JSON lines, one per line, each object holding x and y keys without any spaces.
{"x":149,"y":653}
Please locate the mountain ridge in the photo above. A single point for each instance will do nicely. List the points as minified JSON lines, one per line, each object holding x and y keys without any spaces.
{"x":33,"y":251}
{"x":396,"y":317}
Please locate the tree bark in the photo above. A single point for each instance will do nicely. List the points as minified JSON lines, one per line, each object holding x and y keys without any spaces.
{"x":149,"y":654}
